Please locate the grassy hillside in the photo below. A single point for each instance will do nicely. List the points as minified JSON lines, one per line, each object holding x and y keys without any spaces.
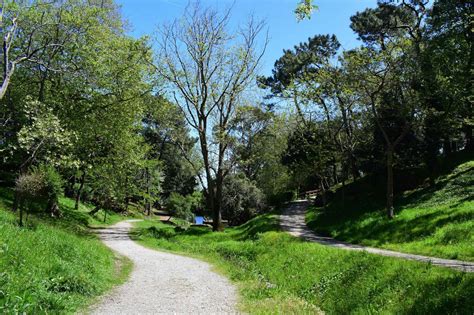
{"x":437,"y":221}
{"x":53,"y":265}
{"x":277,"y":273}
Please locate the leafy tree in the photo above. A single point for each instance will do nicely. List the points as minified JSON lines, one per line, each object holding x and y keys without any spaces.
{"x":184,"y":207}
{"x":165,"y":130}
{"x":242,"y":199}
{"x":305,"y":9}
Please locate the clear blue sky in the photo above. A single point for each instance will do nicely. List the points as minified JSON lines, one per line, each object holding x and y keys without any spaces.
{"x":284,"y":31}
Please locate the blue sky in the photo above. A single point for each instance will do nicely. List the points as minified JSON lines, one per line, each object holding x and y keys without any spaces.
{"x":284,"y":31}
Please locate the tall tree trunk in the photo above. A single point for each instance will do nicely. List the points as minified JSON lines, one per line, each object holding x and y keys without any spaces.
{"x":79,"y":191}
{"x":69,"y":189}
{"x":323,"y":193}
{"x":389,"y":208}
{"x":469,"y":138}
{"x":217,"y":217}
{"x":343,"y":193}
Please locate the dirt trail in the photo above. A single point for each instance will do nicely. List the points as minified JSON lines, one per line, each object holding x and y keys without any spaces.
{"x":292,"y":220}
{"x":163,"y":283}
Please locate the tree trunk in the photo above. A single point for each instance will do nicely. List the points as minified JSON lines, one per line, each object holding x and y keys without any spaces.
{"x":217,"y":216}
{"x":79,"y":192}
{"x":323,"y":193}
{"x":389,"y":208}
{"x":343,"y":193}
{"x":469,"y":138}
{"x":69,"y":190}
{"x":147,"y":200}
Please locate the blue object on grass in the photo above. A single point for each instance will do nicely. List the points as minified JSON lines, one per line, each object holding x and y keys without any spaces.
{"x":199,"y":220}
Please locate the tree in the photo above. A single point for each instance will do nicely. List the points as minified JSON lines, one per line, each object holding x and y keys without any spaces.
{"x":305,"y":9}
{"x":242,"y":199}
{"x":208,"y":71}
{"x":309,"y":155}
{"x":23,"y":27}
{"x":165,"y":131}
{"x":83,"y":93}
{"x":386,"y":91}
{"x":450,"y":50}
{"x":320,"y":90}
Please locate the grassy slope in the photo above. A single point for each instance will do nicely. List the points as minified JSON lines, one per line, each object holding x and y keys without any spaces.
{"x":435,"y":221}
{"x":54,"y":266}
{"x":277,"y":273}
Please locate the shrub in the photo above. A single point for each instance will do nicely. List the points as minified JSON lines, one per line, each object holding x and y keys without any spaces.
{"x":180,"y":206}
{"x":53,"y":182}
{"x":42,"y":185}
{"x":242,"y":200}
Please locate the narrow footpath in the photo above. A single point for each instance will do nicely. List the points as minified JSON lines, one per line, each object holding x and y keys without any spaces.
{"x":163,"y":283}
{"x":292,"y":220}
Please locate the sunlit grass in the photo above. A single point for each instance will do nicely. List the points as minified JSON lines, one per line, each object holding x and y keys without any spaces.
{"x":277,"y":273}
{"x":53,"y":265}
{"x":435,"y":221}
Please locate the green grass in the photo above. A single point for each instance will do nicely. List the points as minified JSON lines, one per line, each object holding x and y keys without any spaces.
{"x":437,"y":221}
{"x":277,"y":273}
{"x":53,"y":265}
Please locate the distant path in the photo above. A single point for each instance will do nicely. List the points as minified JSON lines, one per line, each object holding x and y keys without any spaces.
{"x":292,"y":220}
{"x":163,"y":283}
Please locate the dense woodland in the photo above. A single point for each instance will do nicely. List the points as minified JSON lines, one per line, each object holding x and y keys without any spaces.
{"x":184,"y":120}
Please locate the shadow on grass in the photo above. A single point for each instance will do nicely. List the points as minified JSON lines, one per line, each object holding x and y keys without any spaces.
{"x":258,"y":225}
{"x":429,"y":209}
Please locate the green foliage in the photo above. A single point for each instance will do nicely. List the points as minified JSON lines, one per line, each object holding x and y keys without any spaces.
{"x":277,"y":273}
{"x":305,"y":9}
{"x":436,"y":221}
{"x":183,"y":206}
{"x":43,"y":137}
{"x":53,"y":182}
{"x":242,"y":200}
{"x":43,"y":184}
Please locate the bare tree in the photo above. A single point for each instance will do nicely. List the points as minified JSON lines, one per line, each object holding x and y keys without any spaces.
{"x":208,"y":70}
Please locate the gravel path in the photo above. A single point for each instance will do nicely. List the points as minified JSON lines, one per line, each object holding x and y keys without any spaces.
{"x":292,"y":220}
{"x":163,"y":283}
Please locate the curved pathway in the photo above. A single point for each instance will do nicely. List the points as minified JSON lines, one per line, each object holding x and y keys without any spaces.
{"x":292,"y":220}
{"x":163,"y":283}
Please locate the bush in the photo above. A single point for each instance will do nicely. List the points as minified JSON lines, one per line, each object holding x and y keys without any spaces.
{"x":53,"y":182}
{"x":42,"y":185}
{"x":181,"y":206}
{"x":242,"y":200}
